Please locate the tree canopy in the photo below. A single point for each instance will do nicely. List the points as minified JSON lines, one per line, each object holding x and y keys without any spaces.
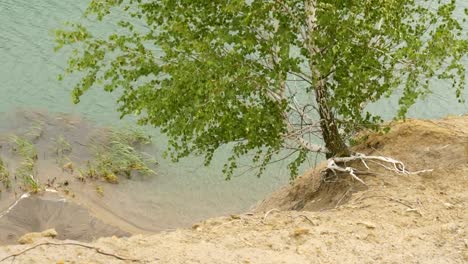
{"x":266,"y":75}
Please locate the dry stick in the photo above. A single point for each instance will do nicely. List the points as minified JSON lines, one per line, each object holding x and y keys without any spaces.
{"x":346,"y":193}
{"x":267,"y":213}
{"x":226,"y":223}
{"x":99,"y":251}
{"x":400,"y":201}
{"x":405,"y":204}
{"x":308,"y":219}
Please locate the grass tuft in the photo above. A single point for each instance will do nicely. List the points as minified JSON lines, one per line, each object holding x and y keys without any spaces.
{"x":4,"y":175}
{"x":62,"y":149}
{"x":119,"y":156}
{"x":24,"y":147}
{"x":36,"y":131}
{"x":26,"y":171}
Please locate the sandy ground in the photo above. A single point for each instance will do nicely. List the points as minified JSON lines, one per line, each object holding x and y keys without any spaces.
{"x":417,"y":218}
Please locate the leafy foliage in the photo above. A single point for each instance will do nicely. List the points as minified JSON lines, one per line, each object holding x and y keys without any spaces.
{"x":266,"y":75}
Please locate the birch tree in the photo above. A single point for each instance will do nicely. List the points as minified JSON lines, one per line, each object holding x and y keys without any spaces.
{"x":265,"y":76}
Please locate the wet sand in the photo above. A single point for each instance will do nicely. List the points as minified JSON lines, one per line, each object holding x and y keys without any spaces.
{"x":36,"y":213}
{"x":76,"y":210}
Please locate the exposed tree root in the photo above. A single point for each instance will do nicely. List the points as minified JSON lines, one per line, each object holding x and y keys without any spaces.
{"x":99,"y":251}
{"x":385,"y":162}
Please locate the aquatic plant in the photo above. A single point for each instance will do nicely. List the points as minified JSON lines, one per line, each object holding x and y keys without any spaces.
{"x":26,"y":171}
{"x":24,"y":147}
{"x":100,"y":191}
{"x":130,"y":135}
{"x":31,"y":184}
{"x":62,"y":149}
{"x":35,"y":131}
{"x":4,"y":174}
{"x":118,"y":156}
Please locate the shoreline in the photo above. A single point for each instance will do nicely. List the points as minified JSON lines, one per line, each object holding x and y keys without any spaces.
{"x":403,"y":218}
{"x":179,"y":195}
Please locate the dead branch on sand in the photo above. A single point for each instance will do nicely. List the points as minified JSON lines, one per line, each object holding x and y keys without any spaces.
{"x":386,"y":162}
{"x":267,"y":213}
{"x":99,"y":251}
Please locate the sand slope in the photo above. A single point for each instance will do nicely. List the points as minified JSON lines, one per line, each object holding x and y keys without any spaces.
{"x":395,"y":219}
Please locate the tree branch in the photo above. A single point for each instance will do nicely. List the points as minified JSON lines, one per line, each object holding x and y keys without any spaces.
{"x":99,"y":251}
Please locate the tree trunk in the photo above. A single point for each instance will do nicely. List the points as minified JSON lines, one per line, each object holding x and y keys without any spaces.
{"x":333,"y":140}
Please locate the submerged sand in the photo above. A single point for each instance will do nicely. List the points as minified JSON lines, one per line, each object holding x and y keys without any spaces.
{"x":418,"y":218}
{"x":177,"y":196}
{"x":35,"y":213}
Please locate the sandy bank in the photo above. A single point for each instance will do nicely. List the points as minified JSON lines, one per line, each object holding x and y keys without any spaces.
{"x":394,"y":219}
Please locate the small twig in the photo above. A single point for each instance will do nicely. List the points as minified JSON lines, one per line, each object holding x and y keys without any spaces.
{"x":421,"y":171}
{"x":346,"y":193}
{"x":385,"y":196}
{"x":401,"y":202}
{"x":248,"y":243}
{"x":308,"y":219}
{"x":411,"y":209}
{"x":226,"y":223}
{"x":99,"y":251}
{"x":267,"y":213}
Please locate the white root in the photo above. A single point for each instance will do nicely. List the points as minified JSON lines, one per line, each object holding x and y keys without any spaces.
{"x":334,"y":168}
{"x":396,"y":165}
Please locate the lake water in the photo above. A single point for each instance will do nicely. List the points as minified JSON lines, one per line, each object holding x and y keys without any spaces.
{"x":187,"y":190}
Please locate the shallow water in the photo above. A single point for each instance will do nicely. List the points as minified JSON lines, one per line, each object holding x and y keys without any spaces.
{"x":182,"y":193}
{"x":40,"y":212}
{"x":179,"y":195}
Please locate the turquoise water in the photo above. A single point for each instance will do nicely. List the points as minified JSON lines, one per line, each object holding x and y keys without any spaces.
{"x":29,"y":67}
{"x":182,"y":193}
{"x":28,"y":79}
